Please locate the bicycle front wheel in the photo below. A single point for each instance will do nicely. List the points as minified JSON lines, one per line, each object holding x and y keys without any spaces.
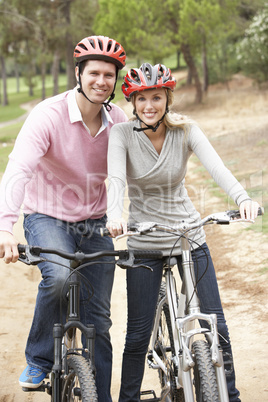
{"x":79,"y":383}
{"x":205,"y":381}
{"x":164,"y":346}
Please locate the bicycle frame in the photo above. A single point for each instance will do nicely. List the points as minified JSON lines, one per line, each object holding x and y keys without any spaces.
{"x":182,"y":319}
{"x":184,"y":329}
{"x":65,"y":345}
{"x":65,"y":337}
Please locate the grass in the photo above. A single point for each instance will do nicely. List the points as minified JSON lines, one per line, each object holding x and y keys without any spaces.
{"x":13,"y":109}
{"x":4,"y":152}
{"x":9,"y":133}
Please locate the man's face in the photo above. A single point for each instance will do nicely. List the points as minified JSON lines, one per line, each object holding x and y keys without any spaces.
{"x":98,"y":79}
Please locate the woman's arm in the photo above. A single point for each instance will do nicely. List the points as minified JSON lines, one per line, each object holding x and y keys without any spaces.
{"x":203,"y":149}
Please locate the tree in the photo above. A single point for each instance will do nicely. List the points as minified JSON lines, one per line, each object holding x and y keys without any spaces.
{"x":135,"y":25}
{"x":252,"y":50}
{"x":204,"y":23}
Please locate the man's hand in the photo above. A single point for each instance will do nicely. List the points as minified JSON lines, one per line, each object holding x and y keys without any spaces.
{"x":8,"y":247}
{"x":117,"y":227}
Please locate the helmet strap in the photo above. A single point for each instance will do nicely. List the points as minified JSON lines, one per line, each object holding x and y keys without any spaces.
{"x":149,"y":126}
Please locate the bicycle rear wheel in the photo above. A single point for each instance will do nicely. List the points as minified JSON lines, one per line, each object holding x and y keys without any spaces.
{"x":205,"y":381}
{"x":79,"y":384}
{"x":164,"y":347}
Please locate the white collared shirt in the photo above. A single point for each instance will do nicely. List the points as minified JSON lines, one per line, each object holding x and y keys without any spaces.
{"x":75,"y":113}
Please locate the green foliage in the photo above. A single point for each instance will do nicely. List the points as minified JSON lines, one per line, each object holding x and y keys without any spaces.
{"x":148,"y":30}
{"x":252,"y":50}
{"x":134,"y":24}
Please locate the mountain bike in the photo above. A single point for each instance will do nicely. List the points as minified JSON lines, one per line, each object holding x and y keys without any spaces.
{"x":73,"y":373}
{"x":187,"y":355}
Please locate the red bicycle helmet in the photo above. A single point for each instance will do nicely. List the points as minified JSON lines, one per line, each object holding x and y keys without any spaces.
{"x":100,"y":48}
{"x":147,"y":77}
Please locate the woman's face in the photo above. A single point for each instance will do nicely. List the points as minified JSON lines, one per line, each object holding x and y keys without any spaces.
{"x":151,"y":105}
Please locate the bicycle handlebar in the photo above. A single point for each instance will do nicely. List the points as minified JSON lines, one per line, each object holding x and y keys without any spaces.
{"x":219,"y":218}
{"x":30,"y":255}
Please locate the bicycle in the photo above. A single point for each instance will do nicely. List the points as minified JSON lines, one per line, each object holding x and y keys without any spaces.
{"x":185,"y":362}
{"x":73,"y":373}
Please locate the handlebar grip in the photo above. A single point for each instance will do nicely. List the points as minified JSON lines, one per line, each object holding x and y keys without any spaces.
{"x":154,"y":254}
{"x":260,"y":211}
{"x":21,"y":248}
{"x":235,"y":213}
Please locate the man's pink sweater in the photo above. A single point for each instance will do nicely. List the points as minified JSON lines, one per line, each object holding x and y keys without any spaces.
{"x":56,"y":167}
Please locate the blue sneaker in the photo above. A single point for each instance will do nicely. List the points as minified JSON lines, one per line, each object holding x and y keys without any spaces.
{"x":32,"y":377}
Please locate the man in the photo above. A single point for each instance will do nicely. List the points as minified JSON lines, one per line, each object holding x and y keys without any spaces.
{"x":57,"y":170}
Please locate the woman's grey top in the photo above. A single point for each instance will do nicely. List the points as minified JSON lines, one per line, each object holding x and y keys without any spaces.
{"x":156,"y":183}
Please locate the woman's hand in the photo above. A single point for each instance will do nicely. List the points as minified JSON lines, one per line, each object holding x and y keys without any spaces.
{"x":8,"y":247}
{"x":249,"y":209}
{"x":117,"y":227}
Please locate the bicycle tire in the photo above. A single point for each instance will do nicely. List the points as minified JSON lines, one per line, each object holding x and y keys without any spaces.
{"x":205,"y":381}
{"x":164,"y":347}
{"x":79,"y":383}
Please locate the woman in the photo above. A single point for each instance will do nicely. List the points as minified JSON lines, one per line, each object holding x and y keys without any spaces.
{"x":151,"y":154}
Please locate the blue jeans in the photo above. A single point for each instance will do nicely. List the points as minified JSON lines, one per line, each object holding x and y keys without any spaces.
{"x":142,"y":293}
{"x":46,"y":231}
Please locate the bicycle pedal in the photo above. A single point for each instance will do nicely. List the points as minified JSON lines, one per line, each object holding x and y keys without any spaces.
{"x":149,"y":392}
{"x":41,"y":388}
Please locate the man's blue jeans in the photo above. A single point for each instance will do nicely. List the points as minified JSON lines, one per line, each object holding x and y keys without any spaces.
{"x":142,"y":293}
{"x":46,"y":231}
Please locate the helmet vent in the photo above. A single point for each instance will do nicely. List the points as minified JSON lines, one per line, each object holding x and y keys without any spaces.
{"x":109,"y":45}
{"x":160,"y":71}
{"x":82,"y":46}
{"x":116,"y":47}
{"x":134,"y":76}
{"x":91,"y":41}
{"x":148,"y":73}
{"x":100,"y":44}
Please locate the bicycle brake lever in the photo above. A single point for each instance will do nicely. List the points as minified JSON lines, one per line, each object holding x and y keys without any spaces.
{"x":129,"y":263}
{"x":29,"y":259}
{"x":143,"y":229}
{"x":242,"y":220}
{"x":128,"y":234}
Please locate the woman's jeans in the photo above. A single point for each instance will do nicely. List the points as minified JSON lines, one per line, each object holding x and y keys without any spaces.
{"x":142,"y":293}
{"x":46,"y":231}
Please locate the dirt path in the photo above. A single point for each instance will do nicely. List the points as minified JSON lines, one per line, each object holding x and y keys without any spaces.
{"x":25,"y":106}
{"x":236,"y":122}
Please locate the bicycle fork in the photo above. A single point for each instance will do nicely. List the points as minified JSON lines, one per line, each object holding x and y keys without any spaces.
{"x":69,"y":329}
{"x":185,"y":329}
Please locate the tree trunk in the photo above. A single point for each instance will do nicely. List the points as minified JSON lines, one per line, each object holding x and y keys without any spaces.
{"x":178,"y":59}
{"x":71,"y":82}
{"x":205,"y":66}
{"x":189,"y":77}
{"x":43,"y":74}
{"x":55,"y":72}
{"x":191,"y":64}
{"x":4,"y":79}
{"x":17,"y":74}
